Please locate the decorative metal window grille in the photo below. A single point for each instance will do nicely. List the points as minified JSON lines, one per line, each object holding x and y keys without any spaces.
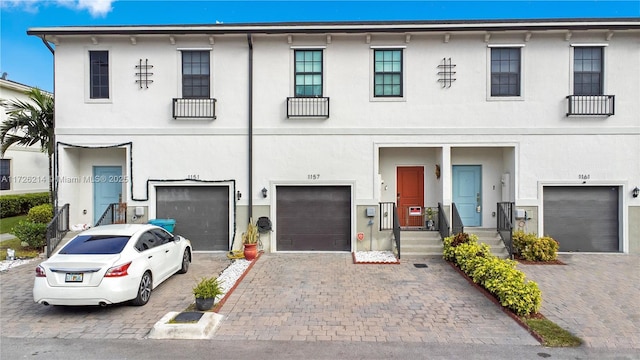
{"x":194,"y":108}
{"x":446,"y":73}
{"x":603,"y":105}
{"x":143,"y":73}
{"x":308,"y":106}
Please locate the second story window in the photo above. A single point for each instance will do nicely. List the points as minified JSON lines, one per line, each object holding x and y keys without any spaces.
{"x":5,"y":174}
{"x":308,"y":73}
{"x":195,"y":74}
{"x":587,"y":71}
{"x":99,"y":74}
{"x":505,"y":71}
{"x":387,"y":79}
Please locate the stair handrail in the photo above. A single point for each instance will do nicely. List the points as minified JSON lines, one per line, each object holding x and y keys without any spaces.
{"x":396,"y":228}
{"x":443,"y":223}
{"x":504,"y":225}
{"x":57,"y":228}
{"x":456,"y":224}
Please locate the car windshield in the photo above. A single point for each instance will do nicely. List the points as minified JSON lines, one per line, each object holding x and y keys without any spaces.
{"x":96,"y":244}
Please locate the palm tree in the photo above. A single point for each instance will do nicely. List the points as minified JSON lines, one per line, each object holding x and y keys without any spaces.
{"x":30,"y":122}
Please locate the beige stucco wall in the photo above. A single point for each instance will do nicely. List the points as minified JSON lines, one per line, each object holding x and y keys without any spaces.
{"x":634,"y":229}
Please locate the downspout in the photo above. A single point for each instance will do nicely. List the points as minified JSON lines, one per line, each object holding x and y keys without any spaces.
{"x":54,"y":168}
{"x":250,"y":160}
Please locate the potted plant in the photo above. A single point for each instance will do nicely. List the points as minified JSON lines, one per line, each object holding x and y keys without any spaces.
{"x":250,"y":241}
{"x":206,"y":292}
{"x":430,"y":223}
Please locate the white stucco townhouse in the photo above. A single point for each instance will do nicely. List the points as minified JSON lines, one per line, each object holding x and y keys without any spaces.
{"x":23,"y":169}
{"x":325,"y":127}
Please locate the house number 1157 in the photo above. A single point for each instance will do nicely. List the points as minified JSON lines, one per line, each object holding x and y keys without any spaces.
{"x":313,"y":176}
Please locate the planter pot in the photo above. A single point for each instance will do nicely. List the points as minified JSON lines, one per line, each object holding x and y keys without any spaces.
{"x":204,"y":304}
{"x":250,"y":251}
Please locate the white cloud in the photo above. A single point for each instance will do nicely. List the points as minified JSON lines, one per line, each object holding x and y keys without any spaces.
{"x":96,"y":8}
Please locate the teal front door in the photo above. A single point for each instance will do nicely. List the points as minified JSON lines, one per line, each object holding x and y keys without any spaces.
{"x":107,"y":188}
{"x":467,"y":181}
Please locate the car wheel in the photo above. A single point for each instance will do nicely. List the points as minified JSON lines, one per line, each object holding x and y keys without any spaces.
{"x":186,"y":259}
{"x":144,"y":290}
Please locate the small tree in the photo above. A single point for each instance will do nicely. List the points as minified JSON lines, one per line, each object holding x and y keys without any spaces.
{"x":29,"y":123}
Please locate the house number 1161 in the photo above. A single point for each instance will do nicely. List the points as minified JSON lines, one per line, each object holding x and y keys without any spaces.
{"x":313,"y":176}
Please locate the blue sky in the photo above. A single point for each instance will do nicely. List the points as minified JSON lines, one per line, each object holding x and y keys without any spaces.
{"x":26,"y":59}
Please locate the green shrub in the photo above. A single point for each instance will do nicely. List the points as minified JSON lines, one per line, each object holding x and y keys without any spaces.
{"x":543,"y":249}
{"x":499,"y":276}
{"x":521,"y":240}
{"x":41,"y":214}
{"x":32,"y":233}
{"x":532,"y":248}
{"x":14,"y":205}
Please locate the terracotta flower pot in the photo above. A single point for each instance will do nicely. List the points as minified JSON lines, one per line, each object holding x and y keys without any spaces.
{"x":250,"y":251}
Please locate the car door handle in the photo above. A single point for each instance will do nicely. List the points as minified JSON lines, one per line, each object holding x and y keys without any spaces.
{"x":166,"y":251}
{"x":150,"y":256}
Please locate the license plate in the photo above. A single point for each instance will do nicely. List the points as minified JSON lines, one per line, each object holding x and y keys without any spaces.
{"x":73,"y":277}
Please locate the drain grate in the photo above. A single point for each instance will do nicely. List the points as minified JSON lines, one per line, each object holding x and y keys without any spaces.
{"x":188,"y":317}
{"x":420,"y":265}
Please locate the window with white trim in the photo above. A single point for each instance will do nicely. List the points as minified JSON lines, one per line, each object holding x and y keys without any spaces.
{"x":387,"y":73}
{"x":308,"y":73}
{"x":99,"y":74}
{"x":505,"y":71}
{"x":196,"y":76}
{"x":588,"y":70}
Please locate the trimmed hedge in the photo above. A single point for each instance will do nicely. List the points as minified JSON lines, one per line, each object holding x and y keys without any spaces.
{"x":499,"y":276}
{"x":41,"y":214}
{"x":533,"y":248}
{"x":14,"y":205}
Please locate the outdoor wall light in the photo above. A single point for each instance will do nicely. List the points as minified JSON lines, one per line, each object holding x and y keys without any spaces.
{"x":264,"y":192}
{"x":635,"y":192}
{"x":239,"y":195}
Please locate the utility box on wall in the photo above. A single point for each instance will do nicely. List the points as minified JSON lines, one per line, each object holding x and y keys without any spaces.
{"x":370,"y":212}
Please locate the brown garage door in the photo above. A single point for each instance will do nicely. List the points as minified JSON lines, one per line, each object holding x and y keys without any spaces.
{"x":582,"y":218}
{"x":201,"y":213}
{"x":313,"y":218}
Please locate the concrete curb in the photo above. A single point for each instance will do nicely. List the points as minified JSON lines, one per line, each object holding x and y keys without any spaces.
{"x":203,"y":329}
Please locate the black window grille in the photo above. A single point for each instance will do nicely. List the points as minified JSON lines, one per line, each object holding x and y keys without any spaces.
{"x":387,"y":75}
{"x":505,"y":72}
{"x":308,"y":72}
{"x":195,"y":74}
{"x":99,"y":74}
{"x":587,"y":71}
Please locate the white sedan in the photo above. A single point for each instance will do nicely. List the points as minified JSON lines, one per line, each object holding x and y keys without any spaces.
{"x":111,"y":264}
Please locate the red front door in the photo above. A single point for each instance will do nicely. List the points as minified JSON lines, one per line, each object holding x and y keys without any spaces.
{"x":410,"y":184}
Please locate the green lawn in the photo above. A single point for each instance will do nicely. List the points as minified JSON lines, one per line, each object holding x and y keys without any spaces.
{"x":7,"y":224}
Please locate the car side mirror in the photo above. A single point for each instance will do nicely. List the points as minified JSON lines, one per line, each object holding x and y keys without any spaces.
{"x":176,"y":238}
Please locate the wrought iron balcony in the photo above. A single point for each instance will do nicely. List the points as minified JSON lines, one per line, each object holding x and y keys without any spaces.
{"x":312,"y":106}
{"x":195,"y":108}
{"x":602,"y":105}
